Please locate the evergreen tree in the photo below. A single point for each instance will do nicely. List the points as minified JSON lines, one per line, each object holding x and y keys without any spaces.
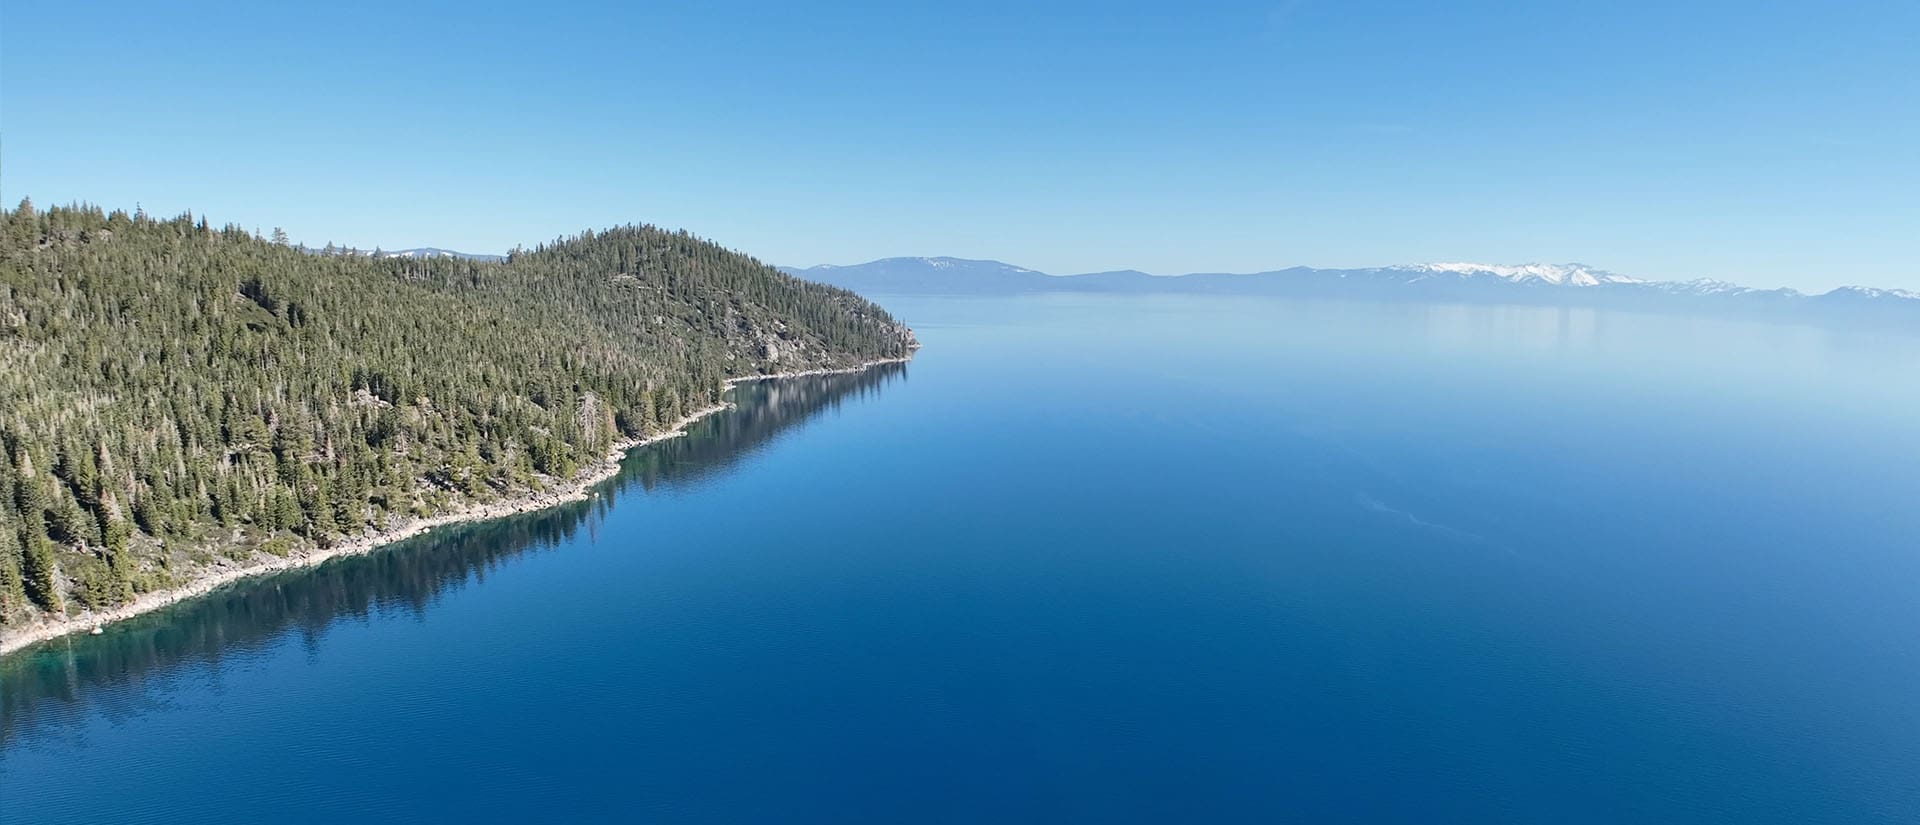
{"x":168,"y":387}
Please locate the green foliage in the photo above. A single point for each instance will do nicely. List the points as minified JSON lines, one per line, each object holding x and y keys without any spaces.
{"x":40,"y":571}
{"x":280,"y":546}
{"x":13,"y":584}
{"x":167,"y":388}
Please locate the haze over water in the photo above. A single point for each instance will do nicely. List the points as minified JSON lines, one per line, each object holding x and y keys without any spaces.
{"x":1103,"y":559}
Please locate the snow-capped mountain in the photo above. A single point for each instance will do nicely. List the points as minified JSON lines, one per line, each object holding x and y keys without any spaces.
{"x":435,"y":252}
{"x":1557,"y":274}
{"x":420,"y":252}
{"x":1872,"y":293}
{"x":1569,"y":284}
{"x":947,"y":274}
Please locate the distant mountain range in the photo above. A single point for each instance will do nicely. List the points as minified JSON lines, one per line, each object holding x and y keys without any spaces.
{"x":420,"y":252}
{"x":434,"y":252}
{"x":1533,"y":284}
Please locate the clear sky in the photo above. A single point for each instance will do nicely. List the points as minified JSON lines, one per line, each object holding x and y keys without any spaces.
{"x":1769,"y":143}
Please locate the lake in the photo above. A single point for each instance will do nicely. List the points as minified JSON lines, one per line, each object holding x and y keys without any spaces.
{"x":1089,"y":559}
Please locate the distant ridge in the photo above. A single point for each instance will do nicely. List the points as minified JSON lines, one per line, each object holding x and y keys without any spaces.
{"x":1570,"y":284}
{"x":418,"y":252}
{"x":434,"y":252}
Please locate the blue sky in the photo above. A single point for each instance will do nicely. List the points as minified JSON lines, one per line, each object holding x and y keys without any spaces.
{"x":1765,"y":143}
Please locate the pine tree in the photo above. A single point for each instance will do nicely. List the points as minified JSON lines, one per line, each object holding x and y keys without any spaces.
{"x":13,"y":583}
{"x":41,"y":570}
{"x":174,"y":382}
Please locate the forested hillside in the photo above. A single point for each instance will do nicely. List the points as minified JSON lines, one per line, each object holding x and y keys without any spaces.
{"x":176,"y":397}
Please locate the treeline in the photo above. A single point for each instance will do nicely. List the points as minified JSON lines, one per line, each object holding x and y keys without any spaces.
{"x":175,"y":396}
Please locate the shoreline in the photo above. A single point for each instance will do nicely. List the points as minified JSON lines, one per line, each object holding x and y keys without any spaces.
{"x":573,"y":489}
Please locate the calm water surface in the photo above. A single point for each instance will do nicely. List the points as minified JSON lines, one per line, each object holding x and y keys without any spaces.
{"x":1103,"y":560}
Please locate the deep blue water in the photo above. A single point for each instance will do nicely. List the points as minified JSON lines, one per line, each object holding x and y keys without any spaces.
{"x":1104,"y":560}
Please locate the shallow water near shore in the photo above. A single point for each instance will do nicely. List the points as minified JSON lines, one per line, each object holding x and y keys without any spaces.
{"x":1102,"y":559}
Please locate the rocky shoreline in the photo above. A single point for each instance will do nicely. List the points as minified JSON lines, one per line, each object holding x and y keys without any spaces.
{"x":575,"y":489}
